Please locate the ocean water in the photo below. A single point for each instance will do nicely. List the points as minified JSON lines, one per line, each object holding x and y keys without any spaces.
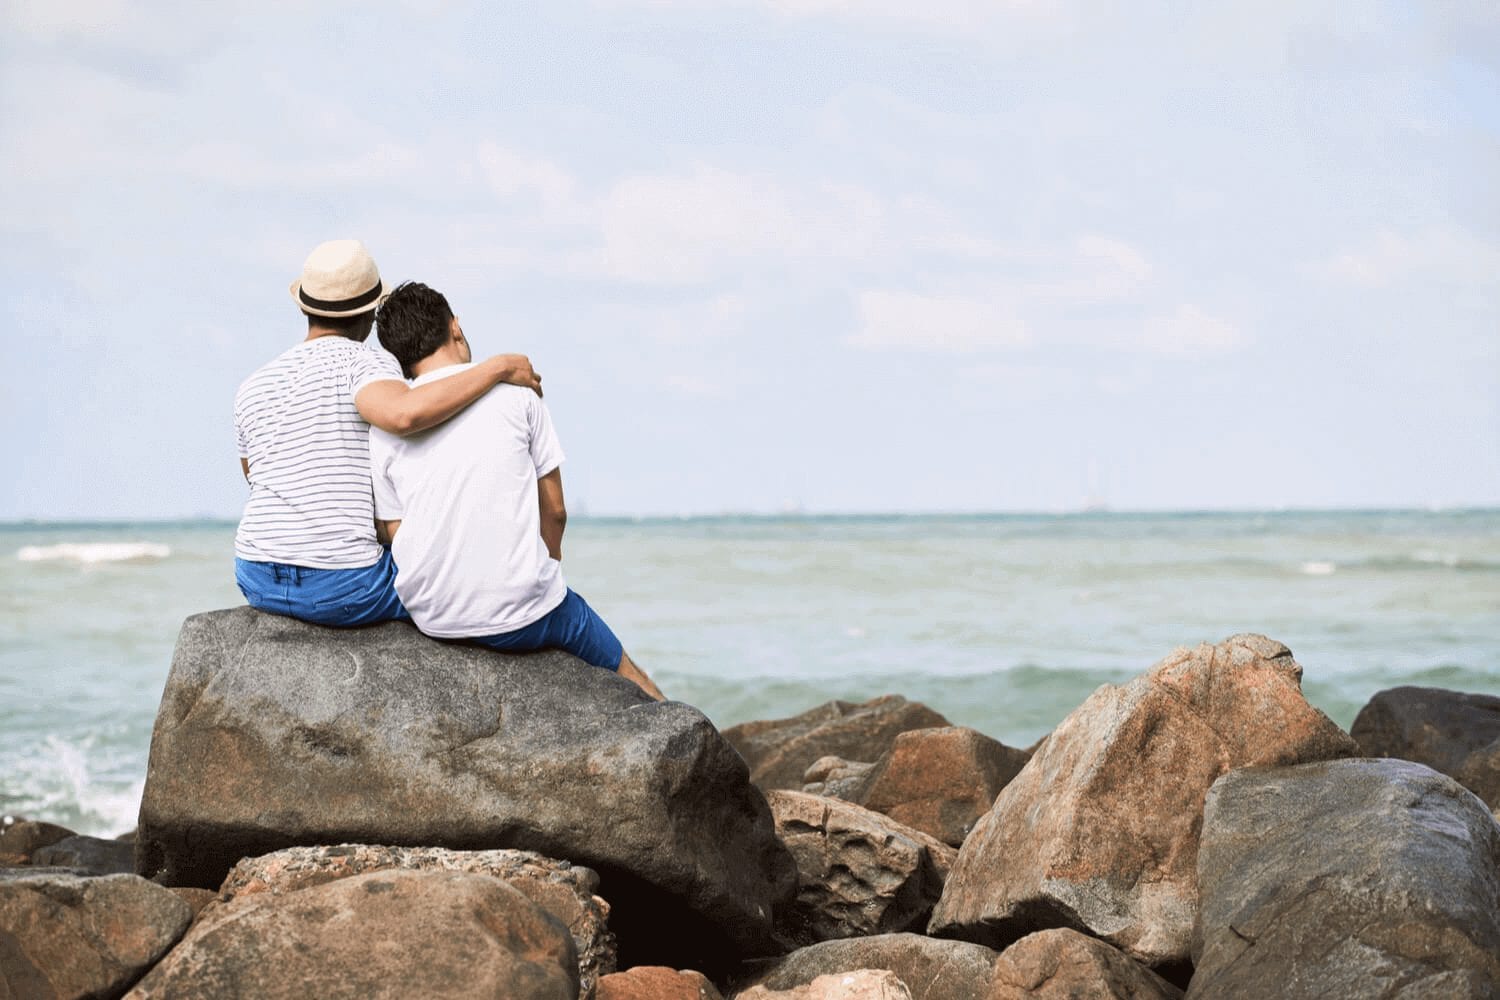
{"x":1001,"y":622}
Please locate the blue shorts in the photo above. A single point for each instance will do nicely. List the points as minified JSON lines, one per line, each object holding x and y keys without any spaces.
{"x":572,"y":626}
{"x":337,"y":597}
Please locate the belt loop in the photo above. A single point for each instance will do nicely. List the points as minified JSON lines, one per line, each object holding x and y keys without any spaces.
{"x":297,"y":575}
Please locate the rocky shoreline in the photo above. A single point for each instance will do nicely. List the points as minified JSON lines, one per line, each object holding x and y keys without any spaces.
{"x":372,"y":813}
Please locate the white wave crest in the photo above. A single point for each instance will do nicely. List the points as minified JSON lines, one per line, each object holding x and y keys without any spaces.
{"x":1319,"y":568}
{"x":91,"y":553}
{"x":75,"y":784}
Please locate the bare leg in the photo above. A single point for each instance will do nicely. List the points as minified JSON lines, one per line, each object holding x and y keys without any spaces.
{"x":631,"y":672}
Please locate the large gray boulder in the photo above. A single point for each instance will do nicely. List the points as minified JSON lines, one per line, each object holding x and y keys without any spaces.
{"x":1099,"y":831}
{"x":1454,"y":732}
{"x":1351,"y":878}
{"x":273,"y":733}
{"x":67,"y":935}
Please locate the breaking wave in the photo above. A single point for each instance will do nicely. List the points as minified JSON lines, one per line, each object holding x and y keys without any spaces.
{"x":92,"y":553}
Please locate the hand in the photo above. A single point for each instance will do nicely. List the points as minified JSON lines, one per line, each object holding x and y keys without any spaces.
{"x":516,"y":369}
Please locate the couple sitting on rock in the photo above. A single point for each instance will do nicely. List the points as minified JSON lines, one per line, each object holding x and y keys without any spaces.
{"x":464,"y":463}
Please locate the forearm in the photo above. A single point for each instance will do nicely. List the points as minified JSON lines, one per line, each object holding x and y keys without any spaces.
{"x":554,"y":512}
{"x":552,"y":533}
{"x":430,"y":404}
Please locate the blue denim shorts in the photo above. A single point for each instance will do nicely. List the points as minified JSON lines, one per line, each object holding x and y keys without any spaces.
{"x":337,"y":597}
{"x":572,"y":626}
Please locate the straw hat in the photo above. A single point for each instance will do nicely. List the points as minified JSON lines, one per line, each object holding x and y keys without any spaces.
{"x":338,"y":279}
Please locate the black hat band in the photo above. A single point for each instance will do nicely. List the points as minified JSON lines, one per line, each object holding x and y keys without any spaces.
{"x":343,"y":305}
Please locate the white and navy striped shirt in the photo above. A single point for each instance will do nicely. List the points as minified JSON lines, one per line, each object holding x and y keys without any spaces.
{"x":309,"y":455}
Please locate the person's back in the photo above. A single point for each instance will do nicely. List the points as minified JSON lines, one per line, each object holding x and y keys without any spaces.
{"x":474,"y":509}
{"x":299,"y":430}
{"x":470,"y":554}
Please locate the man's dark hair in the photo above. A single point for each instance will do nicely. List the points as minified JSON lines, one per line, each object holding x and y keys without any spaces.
{"x":353,"y":327}
{"x":412,"y":323}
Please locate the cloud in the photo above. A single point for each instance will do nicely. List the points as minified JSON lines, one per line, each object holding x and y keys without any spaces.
{"x":691,"y":322}
{"x":1098,"y":269}
{"x":676,"y":228}
{"x":707,"y":223}
{"x":892,"y":320}
{"x":1190,"y":332}
{"x":47,"y":19}
{"x":511,"y":175}
{"x":1442,"y":256}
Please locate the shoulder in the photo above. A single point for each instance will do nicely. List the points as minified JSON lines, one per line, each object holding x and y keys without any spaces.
{"x":509,"y":397}
{"x":366,"y":357}
{"x":268,"y":373}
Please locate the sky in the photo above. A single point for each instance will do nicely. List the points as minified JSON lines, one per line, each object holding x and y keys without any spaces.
{"x":778,"y":255}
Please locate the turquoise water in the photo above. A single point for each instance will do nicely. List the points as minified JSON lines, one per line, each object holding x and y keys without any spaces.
{"x":1001,"y":622}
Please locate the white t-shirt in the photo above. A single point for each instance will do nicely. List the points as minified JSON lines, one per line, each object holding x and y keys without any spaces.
{"x":470,"y":559}
{"x":309,"y":454}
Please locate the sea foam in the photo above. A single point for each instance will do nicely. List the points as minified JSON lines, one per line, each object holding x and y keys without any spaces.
{"x":90,"y":553}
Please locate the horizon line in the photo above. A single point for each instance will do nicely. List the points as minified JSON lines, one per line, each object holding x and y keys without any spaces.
{"x":796,"y":513}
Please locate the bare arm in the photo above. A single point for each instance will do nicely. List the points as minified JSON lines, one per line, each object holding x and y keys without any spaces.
{"x":554,"y":514}
{"x":400,"y":409}
{"x":385,"y":531}
{"x":245,"y":467}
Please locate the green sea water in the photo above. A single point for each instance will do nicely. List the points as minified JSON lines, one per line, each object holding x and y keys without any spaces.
{"x":1001,"y":622}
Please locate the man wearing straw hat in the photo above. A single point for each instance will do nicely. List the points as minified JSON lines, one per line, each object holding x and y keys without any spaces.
{"x":306,"y":543}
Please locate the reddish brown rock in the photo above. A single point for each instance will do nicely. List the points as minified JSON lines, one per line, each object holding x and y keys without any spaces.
{"x":196,"y":899}
{"x":858,"y":872}
{"x":940,"y":781}
{"x":1062,"y":964}
{"x":385,"y":933}
{"x":1100,"y":830}
{"x":565,"y":890}
{"x":657,"y":982}
{"x":861,"y":984}
{"x":74,"y":936}
{"x":779,"y":751}
{"x":19,"y":838}
{"x":931,"y":969}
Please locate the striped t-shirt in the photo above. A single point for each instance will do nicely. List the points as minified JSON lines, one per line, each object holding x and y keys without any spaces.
{"x":309,"y":454}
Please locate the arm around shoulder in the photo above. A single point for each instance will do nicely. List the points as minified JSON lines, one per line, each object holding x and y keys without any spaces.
{"x":400,"y":409}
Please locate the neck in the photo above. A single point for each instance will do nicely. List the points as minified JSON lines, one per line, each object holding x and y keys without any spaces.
{"x":440,"y":358}
{"x":315,"y":332}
